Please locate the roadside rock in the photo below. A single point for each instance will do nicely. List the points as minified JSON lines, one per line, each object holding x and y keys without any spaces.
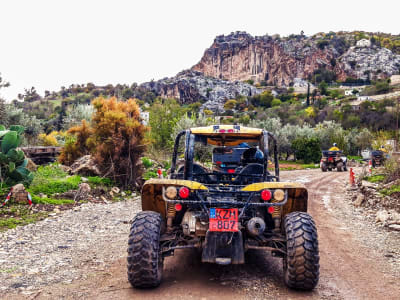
{"x":66,"y":169}
{"x":382,"y":216}
{"x":359,"y":200}
{"x":115,"y":190}
{"x":394,"y":227}
{"x":85,"y":166}
{"x":83,"y":192}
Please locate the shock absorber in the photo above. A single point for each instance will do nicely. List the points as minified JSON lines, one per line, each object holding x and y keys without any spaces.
{"x":279,"y":195}
{"x":170,"y":215}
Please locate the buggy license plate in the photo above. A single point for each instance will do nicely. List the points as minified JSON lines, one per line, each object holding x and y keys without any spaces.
{"x":223,"y":219}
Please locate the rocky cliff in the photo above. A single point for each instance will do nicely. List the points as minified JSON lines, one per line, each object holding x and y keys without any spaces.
{"x":279,"y":61}
{"x":192,"y":86}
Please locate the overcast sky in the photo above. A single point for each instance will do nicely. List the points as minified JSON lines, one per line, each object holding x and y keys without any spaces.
{"x":54,"y":43}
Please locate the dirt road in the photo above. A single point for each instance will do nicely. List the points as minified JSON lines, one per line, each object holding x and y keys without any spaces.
{"x":349,"y":269}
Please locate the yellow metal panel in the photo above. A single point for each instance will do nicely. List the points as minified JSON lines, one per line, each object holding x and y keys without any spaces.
{"x":190,"y":184}
{"x":210,"y":130}
{"x":272,"y":185}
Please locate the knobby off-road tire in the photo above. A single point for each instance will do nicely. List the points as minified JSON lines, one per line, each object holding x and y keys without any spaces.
{"x":145,"y":262}
{"x":301,"y":264}
{"x":339,"y":167}
{"x":324,"y":168}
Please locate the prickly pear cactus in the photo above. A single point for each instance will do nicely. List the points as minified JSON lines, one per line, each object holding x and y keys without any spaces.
{"x":12,"y":161}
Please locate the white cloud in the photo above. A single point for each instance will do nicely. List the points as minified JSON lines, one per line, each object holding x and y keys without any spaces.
{"x":47,"y":43}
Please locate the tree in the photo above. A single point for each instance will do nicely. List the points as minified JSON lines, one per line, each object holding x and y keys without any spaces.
{"x":3,"y":114}
{"x":3,"y":84}
{"x":276,"y":102}
{"x":164,"y":114}
{"x":78,"y":113}
{"x":323,"y":88}
{"x":308,"y":150}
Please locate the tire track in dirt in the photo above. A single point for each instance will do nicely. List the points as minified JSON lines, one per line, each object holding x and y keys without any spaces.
{"x":345,"y":264}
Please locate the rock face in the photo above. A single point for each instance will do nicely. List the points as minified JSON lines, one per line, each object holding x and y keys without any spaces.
{"x":191,"y":86}
{"x":240,"y":56}
{"x":361,"y":61}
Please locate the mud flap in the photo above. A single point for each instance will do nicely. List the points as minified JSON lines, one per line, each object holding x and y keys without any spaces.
{"x":223,"y":248}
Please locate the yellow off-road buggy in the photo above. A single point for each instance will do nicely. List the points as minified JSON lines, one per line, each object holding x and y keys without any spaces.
{"x":225,"y":210}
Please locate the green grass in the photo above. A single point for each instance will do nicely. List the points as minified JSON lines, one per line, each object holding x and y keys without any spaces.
{"x":52,"y":179}
{"x":52,"y":186}
{"x":38,"y":200}
{"x":393,"y":189}
{"x":375,"y":178}
{"x":18,"y":215}
{"x":96,"y":180}
{"x":356,"y":158}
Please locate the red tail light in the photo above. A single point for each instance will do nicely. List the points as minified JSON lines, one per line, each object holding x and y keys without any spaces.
{"x":231,"y":171}
{"x":218,"y":162}
{"x":330,"y":158}
{"x":184,"y":192}
{"x":230,"y":130}
{"x":266,"y":195}
{"x":222,"y":130}
{"x":271,"y":209}
{"x":178,"y":207}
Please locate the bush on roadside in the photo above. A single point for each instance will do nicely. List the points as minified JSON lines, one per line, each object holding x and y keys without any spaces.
{"x":308,"y":150}
{"x":115,"y":139}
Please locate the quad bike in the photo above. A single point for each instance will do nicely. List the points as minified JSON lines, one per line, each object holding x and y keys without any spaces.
{"x":333,"y":160}
{"x":377,"y":158}
{"x":224,"y":214}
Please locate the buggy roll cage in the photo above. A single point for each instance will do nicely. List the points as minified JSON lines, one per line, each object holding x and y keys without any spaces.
{"x":190,"y":139}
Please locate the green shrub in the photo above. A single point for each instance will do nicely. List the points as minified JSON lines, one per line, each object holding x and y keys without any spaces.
{"x":12,"y":160}
{"x":147,"y":163}
{"x":150,"y":174}
{"x":308,"y":150}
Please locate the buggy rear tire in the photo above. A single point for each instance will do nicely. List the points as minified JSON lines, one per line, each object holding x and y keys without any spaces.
{"x":339,"y":167}
{"x":145,"y":262}
{"x":301,"y":262}
{"x":324,"y":167}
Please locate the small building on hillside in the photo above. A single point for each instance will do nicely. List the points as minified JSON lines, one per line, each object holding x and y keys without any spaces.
{"x":365,"y":98}
{"x":364,"y":43}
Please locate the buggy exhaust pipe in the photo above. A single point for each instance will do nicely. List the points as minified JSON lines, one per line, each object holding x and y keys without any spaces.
{"x":255,"y":226}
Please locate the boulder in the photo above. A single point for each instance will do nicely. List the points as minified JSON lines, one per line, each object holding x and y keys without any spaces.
{"x":83,"y":192}
{"x":394,"y":227}
{"x":115,"y":190}
{"x":66,"y":169}
{"x":85,"y":166}
{"x":382,"y":216}
{"x":359,"y":200}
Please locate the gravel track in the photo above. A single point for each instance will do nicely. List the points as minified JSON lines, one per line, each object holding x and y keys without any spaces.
{"x":82,"y":255}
